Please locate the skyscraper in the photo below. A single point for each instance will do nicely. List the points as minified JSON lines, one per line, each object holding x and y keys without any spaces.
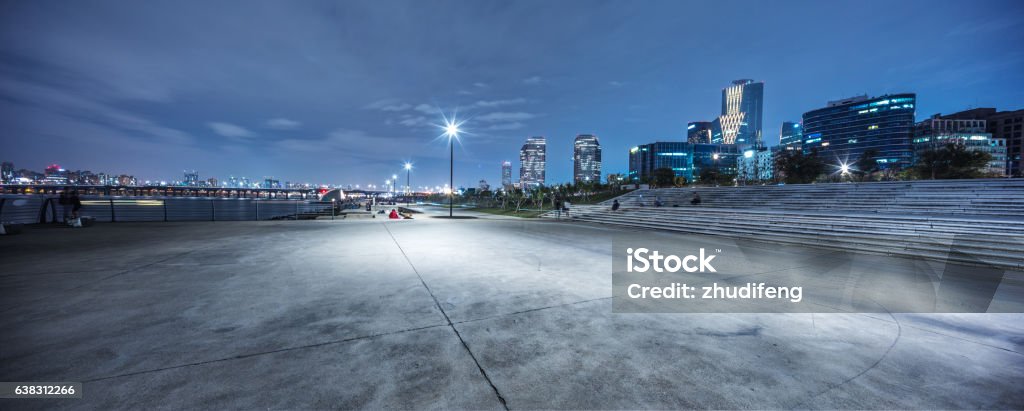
{"x":532,"y":161}
{"x":742,"y":110}
{"x":845,"y":129}
{"x":586,"y":159}
{"x":791,"y":137}
{"x":506,"y":174}
{"x":698,"y":132}
{"x":191,"y":178}
{"x":7,"y":172}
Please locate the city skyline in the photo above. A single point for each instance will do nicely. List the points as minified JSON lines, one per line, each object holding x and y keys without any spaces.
{"x":348,"y":111}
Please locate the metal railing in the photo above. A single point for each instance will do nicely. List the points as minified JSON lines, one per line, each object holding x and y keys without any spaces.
{"x":29,"y":209}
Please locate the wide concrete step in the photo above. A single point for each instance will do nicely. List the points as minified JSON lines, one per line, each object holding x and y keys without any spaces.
{"x":933,"y":250}
{"x":980,"y":243}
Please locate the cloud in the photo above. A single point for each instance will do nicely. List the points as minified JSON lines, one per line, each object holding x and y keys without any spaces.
{"x":414,"y":121}
{"x":500,"y":116}
{"x":498,"y":103}
{"x":532,"y":80}
{"x":79,"y":109}
{"x":480,"y":85}
{"x":283,"y":124}
{"x":614,"y":83}
{"x":388,"y":105}
{"x":505,"y":126}
{"x":229,"y":130}
{"x":428,"y":109}
{"x":358,"y":144}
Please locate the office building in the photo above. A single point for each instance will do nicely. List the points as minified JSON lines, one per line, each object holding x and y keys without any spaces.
{"x":742,"y":111}
{"x":756,"y":165}
{"x":7,"y":172}
{"x":844,"y":129}
{"x":936,"y":132}
{"x":586,"y":159}
{"x":191,"y":178}
{"x":54,"y":174}
{"x":1005,"y":125}
{"x":791,"y":137}
{"x":685,"y":159}
{"x":698,"y":132}
{"x":532,"y":162}
{"x":506,"y":174}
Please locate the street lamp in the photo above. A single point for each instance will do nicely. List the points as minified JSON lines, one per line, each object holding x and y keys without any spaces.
{"x":451,"y":130}
{"x":408,"y":188}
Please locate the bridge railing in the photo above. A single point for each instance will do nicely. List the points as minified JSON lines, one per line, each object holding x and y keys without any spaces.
{"x":30,"y":209}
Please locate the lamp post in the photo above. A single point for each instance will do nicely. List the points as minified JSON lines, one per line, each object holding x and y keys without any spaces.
{"x":451,"y":130}
{"x":408,"y":188}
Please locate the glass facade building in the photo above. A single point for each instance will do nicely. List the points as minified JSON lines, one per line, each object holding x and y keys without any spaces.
{"x":936,"y":132}
{"x":792,"y":136}
{"x":586,"y":159}
{"x":686,"y":160}
{"x":532,"y":162}
{"x":844,"y":129}
{"x":506,"y":174}
{"x":742,"y":111}
{"x":698,"y":132}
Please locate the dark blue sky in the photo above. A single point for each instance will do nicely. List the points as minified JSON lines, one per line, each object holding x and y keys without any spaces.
{"x":344,"y":92}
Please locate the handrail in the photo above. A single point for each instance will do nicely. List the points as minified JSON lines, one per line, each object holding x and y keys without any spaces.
{"x":122,"y":209}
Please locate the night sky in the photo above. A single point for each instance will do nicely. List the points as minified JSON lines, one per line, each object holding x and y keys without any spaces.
{"x":345,"y":92}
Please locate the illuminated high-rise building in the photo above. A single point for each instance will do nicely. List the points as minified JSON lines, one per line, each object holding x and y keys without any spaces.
{"x":742,"y":110}
{"x":846,"y":128}
{"x":7,"y":172}
{"x":698,"y":132}
{"x":586,"y":159}
{"x":191,"y":178}
{"x":506,"y":174}
{"x":532,"y":162}
{"x":791,"y":137}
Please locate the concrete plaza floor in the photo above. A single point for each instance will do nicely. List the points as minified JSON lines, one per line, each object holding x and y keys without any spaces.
{"x":486,"y":313}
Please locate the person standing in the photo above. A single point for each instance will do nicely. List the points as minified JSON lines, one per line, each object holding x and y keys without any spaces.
{"x":615,"y":205}
{"x":65,"y":206}
{"x":76,"y":204}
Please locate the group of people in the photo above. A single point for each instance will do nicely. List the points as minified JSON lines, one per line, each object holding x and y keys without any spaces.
{"x":70,"y":205}
{"x":694,"y":200}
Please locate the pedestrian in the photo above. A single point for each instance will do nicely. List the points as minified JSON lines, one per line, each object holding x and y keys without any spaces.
{"x":65,"y":205}
{"x":657,"y":201}
{"x":76,"y":204}
{"x":695,"y":200}
{"x":394,"y":214}
{"x":615,"y":205}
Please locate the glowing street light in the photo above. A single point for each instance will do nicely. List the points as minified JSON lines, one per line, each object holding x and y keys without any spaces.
{"x":408,"y":188}
{"x":451,"y":130}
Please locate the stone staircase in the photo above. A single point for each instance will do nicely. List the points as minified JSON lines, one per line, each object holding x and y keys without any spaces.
{"x":977,"y":222}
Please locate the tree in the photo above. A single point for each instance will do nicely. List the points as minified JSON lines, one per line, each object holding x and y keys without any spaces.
{"x":952,"y":161}
{"x":663,"y":177}
{"x":866,"y":163}
{"x":715,"y":176}
{"x":796,"y":167}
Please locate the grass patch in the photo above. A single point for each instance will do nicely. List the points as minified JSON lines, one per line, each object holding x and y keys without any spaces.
{"x":512,"y":212}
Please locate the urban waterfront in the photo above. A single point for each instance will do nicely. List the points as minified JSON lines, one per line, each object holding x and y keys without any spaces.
{"x":511,"y":204}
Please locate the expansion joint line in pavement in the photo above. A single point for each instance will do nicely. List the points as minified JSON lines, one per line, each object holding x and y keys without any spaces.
{"x":448,"y":320}
{"x":91,"y":283}
{"x":256,"y":354}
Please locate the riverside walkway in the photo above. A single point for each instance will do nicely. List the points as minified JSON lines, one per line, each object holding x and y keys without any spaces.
{"x":485,"y":313}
